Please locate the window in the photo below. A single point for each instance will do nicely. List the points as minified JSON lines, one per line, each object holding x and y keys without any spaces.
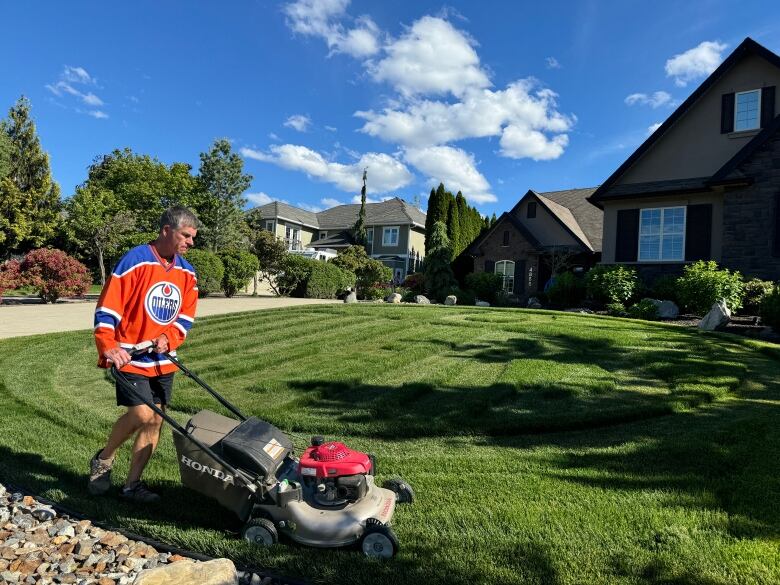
{"x":269,"y":225}
{"x":292,"y":237}
{"x":531,"y":211}
{"x":390,"y":236}
{"x":747,"y":113}
{"x":506,"y":238}
{"x":323,"y":235}
{"x":370,"y":235}
{"x":506,"y":268}
{"x":661,"y":234}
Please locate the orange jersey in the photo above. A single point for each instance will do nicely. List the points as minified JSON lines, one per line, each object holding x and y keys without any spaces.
{"x":144,"y":298}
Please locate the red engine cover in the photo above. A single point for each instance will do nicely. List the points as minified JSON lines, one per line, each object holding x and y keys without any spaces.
{"x":333,"y":459}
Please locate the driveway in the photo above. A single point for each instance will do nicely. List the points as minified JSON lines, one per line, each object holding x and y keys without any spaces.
{"x":31,"y":319}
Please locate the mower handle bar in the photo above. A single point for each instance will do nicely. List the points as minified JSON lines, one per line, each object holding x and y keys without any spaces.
{"x":125,"y":383}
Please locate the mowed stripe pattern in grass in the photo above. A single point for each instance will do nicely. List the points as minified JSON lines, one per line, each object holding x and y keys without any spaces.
{"x":538,"y":442}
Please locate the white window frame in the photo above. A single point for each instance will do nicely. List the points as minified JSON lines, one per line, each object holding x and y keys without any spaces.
{"x":758,"y":117}
{"x":389,"y":230}
{"x":370,"y":235}
{"x":323,"y":235}
{"x":661,"y":235}
{"x":269,"y":226}
{"x":508,"y":285}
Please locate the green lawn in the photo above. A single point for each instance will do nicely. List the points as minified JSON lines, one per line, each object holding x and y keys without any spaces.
{"x":29,"y":291}
{"x":544,"y":447}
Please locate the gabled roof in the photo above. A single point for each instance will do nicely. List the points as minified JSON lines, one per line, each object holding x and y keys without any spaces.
{"x":578,"y":217}
{"x":505,"y":217}
{"x":729,"y":172}
{"x":340,"y":239}
{"x":391,"y":211}
{"x":747,"y":47}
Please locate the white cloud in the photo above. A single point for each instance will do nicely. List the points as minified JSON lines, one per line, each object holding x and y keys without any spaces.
{"x":520,"y":110}
{"x":331,"y":128}
{"x":694,"y":63}
{"x":99,"y":114}
{"x":552,"y":63}
{"x":656,"y":100}
{"x":455,"y":168}
{"x":75,"y":76}
{"x":330,"y":202}
{"x":385,"y":173}
{"x":356,"y":199}
{"x":299,"y":122}
{"x":433,"y":57}
{"x":653,"y":127}
{"x":260,"y":198}
{"x":92,"y":100}
{"x":273,"y":136}
{"x":320,"y":18}
{"x":309,"y":207}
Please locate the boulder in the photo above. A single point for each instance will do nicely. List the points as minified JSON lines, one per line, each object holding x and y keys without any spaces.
{"x":393,"y":298}
{"x":451,"y":300}
{"x":351,"y":297}
{"x":580,"y":310}
{"x":666,"y":309}
{"x":718,"y":316}
{"x":533,"y":303}
{"x":422,"y":300}
{"x":216,"y":572}
{"x":482,"y":304}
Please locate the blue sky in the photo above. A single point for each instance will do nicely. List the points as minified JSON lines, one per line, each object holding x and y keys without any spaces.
{"x":490,"y":97}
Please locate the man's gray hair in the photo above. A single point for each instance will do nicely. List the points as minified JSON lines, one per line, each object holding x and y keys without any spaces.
{"x":178,"y":216}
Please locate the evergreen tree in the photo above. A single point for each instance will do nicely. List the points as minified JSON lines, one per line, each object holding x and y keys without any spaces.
{"x":5,"y":151}
{"x":29,"y":197}
{"x":361,"y":235}
{"x":453,"y":228}
{"x":464,"y":221}
{"x":429,"y":217}
{"x":221,"y":208}
{"x":493,"y":219}
{"x":439,"y":278}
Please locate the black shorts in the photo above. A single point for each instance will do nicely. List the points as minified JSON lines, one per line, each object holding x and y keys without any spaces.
{"x":156,"y":389}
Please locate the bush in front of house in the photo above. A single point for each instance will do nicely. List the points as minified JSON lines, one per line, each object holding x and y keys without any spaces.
{"x":755,"y":291}
{"x":485,"y":286}
{"x":54,"y":274}
{"x":372,"y":274}
{"x":665,"y":289}
{"x":415,"y":282}
{"x":294,"y":272}
{"x":240,"y":267}
{"x":616,"y":309}
{"x":611,"y":283}
{"x":566,"y":291}
{"x":327,"y":281}
{"x":770,"y":309}
{"x":208,"y":268}
{"x":9,"y":276}
{"x":703,"y":284}
{"x":464,"y":297}
{"x":644,"y":309}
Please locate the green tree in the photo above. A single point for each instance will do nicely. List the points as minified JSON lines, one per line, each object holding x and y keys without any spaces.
{"x":270,"y":252}
{"x":239,"y":267}
{"x":453,"y":228}
{"x":361,"y":236}
{"x":223,"y":183}
{"x":97,"y":225}
{"x":5,"y":151}
{"x":29,"y":197}
{"x":429,"y":216}
{"x":439,"y":278}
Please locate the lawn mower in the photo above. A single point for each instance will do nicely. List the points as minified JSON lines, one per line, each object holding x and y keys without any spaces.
{"x":327,"y":497}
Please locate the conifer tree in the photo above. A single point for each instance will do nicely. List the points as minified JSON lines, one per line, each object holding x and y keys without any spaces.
{"x":361,"y":235}
{"x":453,"y":228}
{"x":439,"y":278}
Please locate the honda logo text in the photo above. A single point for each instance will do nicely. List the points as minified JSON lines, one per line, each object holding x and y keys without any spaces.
{"x":221,"y":475}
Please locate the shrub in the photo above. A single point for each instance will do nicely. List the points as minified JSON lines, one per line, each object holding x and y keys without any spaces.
{"x":415,"y":282}
{"x":485,"y":285}
{"x":54,"y":274}
{"x":408,"y":296}
{"x":294,"y":273}
{"x":644,"y":309}
{"x":755,"y":291}
{"x":465,"y":297}
{"x":566,"y":290}
{"x":665,"y":289}
{"x":376,"y":292}
{"x":327,"y":281}
{"x":703,"y":284}
{"x":240,"y":267}
{"x":371,"y":275}
{"x":209,"y":269}
{"x":9,"y":276}
{"x":616,"y":309}
{"x":611,"y":283}
{"x":770,"y":309}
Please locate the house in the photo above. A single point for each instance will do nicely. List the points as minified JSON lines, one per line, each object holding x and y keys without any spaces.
{"x":542,"y":229}
{"x":706,"y":183}
{"x":395,"y":229}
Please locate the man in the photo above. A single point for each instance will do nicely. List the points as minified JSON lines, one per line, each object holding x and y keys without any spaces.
{"x":150,"y":295}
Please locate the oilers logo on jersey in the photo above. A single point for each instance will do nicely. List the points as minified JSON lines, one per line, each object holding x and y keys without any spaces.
{"x":162,"y":302}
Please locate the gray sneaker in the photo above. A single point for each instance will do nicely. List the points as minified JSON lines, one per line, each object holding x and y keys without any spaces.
{"x":99,"y":475}
{"x":139,"y":492}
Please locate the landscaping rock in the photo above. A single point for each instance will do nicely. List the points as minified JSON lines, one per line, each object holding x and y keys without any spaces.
{"x":451,"y":300}
{"x":216,"y":572}
{"x":666,"y":309}
{"x":533,"y":303}
{"x":580,"y":310}
{"x":421,"y":300}
{"x":718,"y":316}
{"x":351,"y":297}
{"x":482,"y":304}
{"x":393,"y":298}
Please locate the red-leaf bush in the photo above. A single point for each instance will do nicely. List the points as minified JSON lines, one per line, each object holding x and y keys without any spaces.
{"x":54,"y":274}
{"x":9,"y":276}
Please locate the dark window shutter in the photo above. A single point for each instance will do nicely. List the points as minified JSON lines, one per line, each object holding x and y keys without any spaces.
{"x":627,"y":235}
{"x":698,"y":232}
{"x":490,"y":266}
{"x":506,"y":238}
{"x":727,"y":113}
{"x":776,"y":247}
{"x":519,"y":277}
{"x":531,"y":211}
{"x":767,"y":105}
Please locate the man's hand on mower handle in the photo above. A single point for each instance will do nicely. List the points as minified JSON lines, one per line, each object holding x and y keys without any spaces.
{"x":161,"y":344}
{"x":118,"y":356}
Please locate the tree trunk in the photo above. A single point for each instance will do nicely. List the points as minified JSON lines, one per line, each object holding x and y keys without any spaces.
{"x":102,"y":266}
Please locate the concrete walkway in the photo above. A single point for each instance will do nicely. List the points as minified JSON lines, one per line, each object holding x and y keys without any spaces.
{"x":31,"y":319}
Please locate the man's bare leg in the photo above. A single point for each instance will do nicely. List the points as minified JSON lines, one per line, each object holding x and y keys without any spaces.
{"x":145,"y":443}
{"x":125,"y":427}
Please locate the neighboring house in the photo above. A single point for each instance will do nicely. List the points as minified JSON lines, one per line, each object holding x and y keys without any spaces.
{"x":706,"y":183}
{"x":396,"y":231}
{"x":542,"y":229}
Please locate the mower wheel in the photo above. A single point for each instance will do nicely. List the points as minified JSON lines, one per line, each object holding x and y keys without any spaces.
{"x":379,"y":541}
{"x":260,"y":531}
{"x":404,"y":494}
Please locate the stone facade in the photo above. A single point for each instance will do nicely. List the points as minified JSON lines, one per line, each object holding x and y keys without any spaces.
{"x":749,"y":224}
{"x":518,"y":249}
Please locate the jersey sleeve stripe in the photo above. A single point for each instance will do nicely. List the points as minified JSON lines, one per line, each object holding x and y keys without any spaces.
{"x":106,"y":325}
{"x":186,"y":317}
{"x":116,"y":316}
{"x":131,"y":268}
{"x":180,"y":328}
